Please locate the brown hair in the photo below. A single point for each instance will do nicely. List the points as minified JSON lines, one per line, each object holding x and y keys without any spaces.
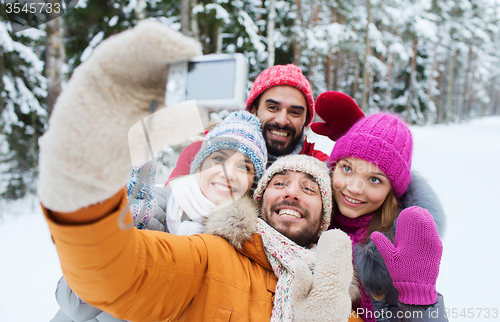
{"x":384,"y":217}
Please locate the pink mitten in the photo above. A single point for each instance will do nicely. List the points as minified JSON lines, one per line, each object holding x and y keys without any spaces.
{"x":339,"y":112}
{"x":413,"y":261}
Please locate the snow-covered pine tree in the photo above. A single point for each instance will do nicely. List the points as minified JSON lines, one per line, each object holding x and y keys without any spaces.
{"x":22,"y":108}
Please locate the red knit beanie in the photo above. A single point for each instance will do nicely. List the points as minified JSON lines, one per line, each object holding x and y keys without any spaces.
{"x":279,"y":75}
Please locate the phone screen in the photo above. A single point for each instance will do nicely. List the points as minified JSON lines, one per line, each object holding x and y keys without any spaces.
{"x":210,"y":79}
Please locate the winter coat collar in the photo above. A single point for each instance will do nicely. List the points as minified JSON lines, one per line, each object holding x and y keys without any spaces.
{"x":236,"y":222}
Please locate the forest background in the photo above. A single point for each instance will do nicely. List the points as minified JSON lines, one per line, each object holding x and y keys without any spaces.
{"x":431,"y":61}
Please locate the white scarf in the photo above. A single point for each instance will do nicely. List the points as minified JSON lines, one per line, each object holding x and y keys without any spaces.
{"x":187,"y":198}
{"x":281,"y":253}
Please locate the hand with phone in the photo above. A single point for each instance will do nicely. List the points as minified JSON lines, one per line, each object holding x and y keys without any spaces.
{"x":84,"y":156}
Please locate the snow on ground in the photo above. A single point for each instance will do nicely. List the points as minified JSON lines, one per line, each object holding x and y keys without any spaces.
{"x":460,"y":161}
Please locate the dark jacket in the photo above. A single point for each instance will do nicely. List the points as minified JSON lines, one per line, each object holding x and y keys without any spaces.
{"x":374,"y":275}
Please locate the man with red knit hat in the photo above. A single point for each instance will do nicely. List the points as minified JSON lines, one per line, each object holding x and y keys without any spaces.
{"x":282,"y":99}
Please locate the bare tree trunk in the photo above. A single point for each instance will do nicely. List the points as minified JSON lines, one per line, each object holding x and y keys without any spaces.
{"x":413,"y":68}
{"x":469,"y":78}
{"x":185,"y":10}
{"x":331,"y":66}
{"x":2,"y":72}
{"x":194,"y":21}
{"x":440,"y":100}
{"x":356,"y":76}
{"x":314,"y":60}
{"x":54,"y":58}
{"x":270,"y":33}
{"x":430,"y":87}
{"x":366,"y":67}
{"x":451,"y":80}
{"x":216,"y":39}
{"x":338,"y":71}
{"x":483,"y":103}
{"x":297,"y":42}
{"x":388,"y":79}
{"x":140,"y":10}
{"x":330,"y":70}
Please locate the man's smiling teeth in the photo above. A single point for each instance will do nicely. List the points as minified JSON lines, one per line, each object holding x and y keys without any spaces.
{"x":221,"y":187}
{"x":279,"y":133}
{"x":352,"y":200}
{"x":289,"y":213}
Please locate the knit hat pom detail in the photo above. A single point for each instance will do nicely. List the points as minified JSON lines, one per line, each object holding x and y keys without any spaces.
{"x":244,"y":116}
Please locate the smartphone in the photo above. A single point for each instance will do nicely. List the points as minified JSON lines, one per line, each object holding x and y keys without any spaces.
{"x":215,"y":82}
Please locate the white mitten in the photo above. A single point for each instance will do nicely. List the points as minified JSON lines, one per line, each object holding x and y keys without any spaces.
{"x":84,"y":155}
{"x":325,"y":296}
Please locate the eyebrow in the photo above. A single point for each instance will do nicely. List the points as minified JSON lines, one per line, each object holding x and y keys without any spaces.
{"x":308,"y":176}
{"x":221,"y":152}
{"x":281,"y":173}
{"x":298,"y":107}
{"x":375,"y":173}
{"x":380,"y":174}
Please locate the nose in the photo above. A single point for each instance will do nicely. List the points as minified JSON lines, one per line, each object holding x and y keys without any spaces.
{"x":355,"y":186}
{"x":281,"y":117}
{"x":291,"y":192}
{"x":228,"y":171}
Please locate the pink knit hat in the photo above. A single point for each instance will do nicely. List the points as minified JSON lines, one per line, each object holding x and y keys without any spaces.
{"x":384,"y":140}
{"x":279,"y":75}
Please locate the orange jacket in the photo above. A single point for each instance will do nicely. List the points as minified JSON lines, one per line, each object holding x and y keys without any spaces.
{"x":142,"y":275}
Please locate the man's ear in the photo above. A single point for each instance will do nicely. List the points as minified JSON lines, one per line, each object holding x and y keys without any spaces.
{"x":253,"y":109}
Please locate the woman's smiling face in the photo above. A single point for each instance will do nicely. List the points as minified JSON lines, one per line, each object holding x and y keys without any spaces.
{"x":224,"y":173}
{"x":359,"y":187}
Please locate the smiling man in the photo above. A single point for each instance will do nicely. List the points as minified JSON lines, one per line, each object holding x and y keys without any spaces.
{"x":282,"y":99}
{"x":295,"y":198}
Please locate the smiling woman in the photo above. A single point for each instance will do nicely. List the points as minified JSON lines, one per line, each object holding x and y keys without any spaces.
{"x":226,"y":173}
{"x":232,"y":157}
{"x":371,"y":169}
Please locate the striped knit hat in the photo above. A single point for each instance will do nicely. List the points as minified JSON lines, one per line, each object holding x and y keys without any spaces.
{"x":241,"y":132}
{"x":306,"y":164}
{"x":281,"y":75}
{"x":384,"y":140}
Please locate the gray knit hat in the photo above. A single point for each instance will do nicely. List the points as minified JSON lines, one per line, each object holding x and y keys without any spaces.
{"x":306,"y":164}
{"x":241,"y":132}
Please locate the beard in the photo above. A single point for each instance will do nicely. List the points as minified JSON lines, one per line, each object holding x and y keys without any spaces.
{"x":305,"y":236}
{"x":278,"y":148}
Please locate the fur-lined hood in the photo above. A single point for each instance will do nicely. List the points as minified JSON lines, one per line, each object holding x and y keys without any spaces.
{"x":235,"y":222}
{"x":368,"y":261}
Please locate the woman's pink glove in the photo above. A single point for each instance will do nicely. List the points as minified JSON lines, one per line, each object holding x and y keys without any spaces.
{"x":413,"y":261}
